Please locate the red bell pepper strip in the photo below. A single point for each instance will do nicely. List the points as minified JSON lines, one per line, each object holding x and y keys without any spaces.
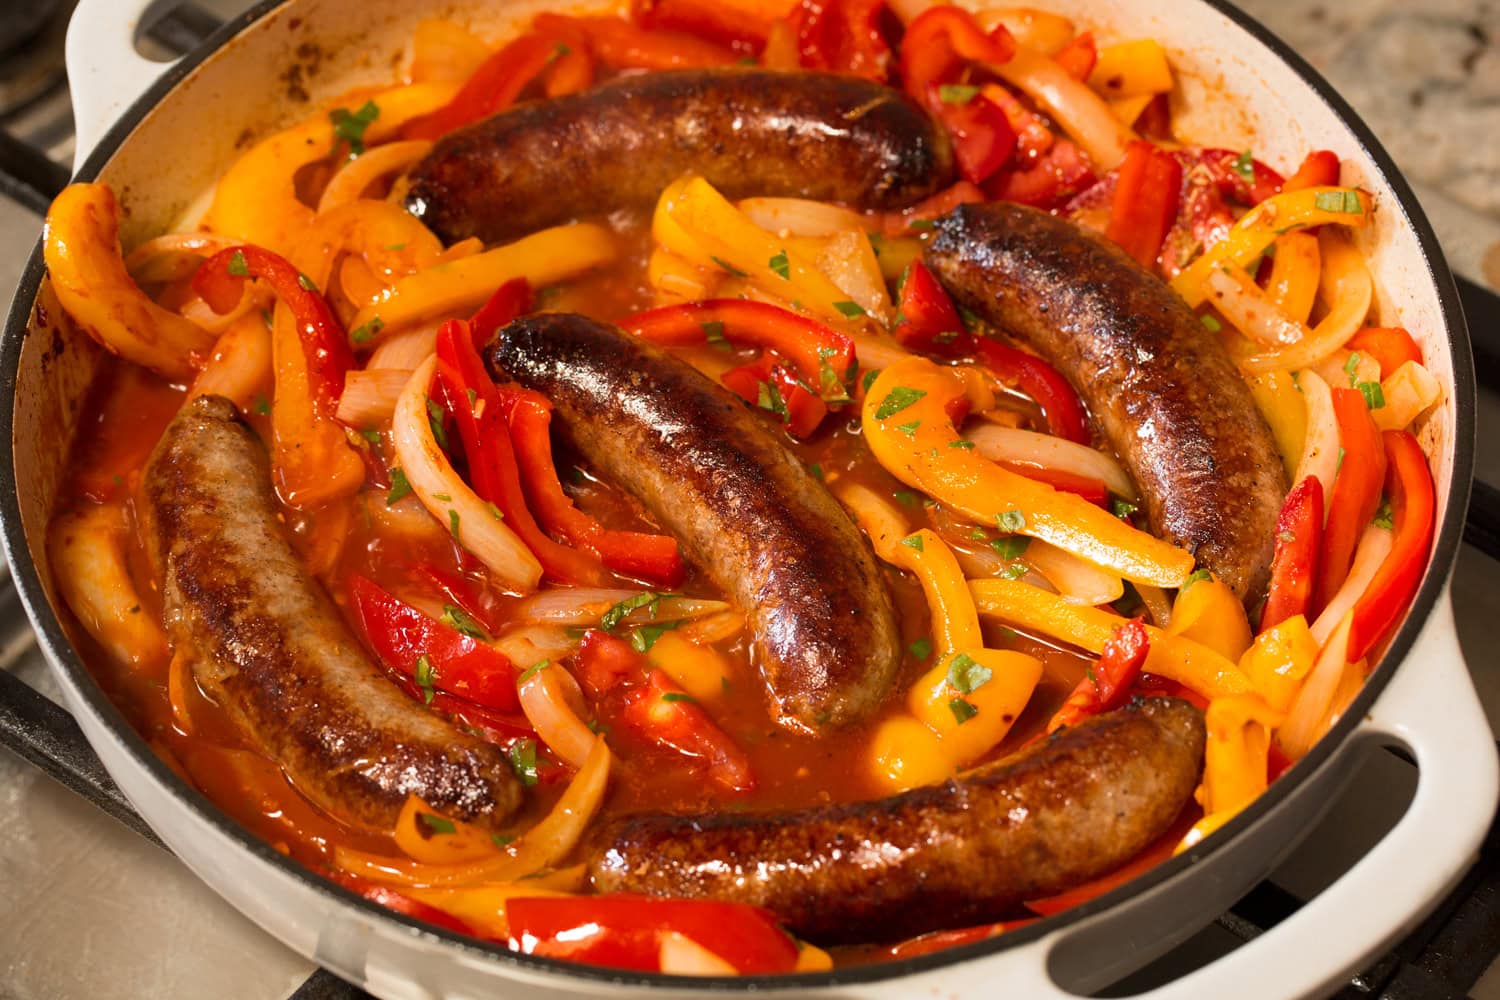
{"x":823,"y":356}
{"x":843,"y":36}
{"x":1092,"y":490}
{"x":605,"y":662}
{"x":581,"y":929}
{"x":1356,"y":491}
{"x":1048,"y":182}
{"x":1043,"y":383}
{"x":774,"y":387}
{"x":1413,"y":510}
{"x":570,"y":72}
{"x":1158,"y":851}
{"x":396,"y":902}
{"x":221,"y":280}
{"x":926,"y":319}
{"x":1320,"y":168}
{"x":935,"y":941}
{"x":459,"y":664}
{"x":499,"y":728}
{"x":1108,"y":681}
{"x":983,"y":139}
{"x":510,"y":300}
{"x":462,"y":593}
{"x":494,"y":86}
{"x":1154,"y":685}
{"x":1391,"y":346}
{"x":630,"y":553}
{"x":1078,"y":56}
{"x":936,"y":44}
{"x":726,"y":24}
{"x":1228,"y":169}
{"x":664,"y":713}
{"x":1299,"y":545}
{"x":1145,"y":202}
{"x":617,"y":42}
{"x":493,"y":471}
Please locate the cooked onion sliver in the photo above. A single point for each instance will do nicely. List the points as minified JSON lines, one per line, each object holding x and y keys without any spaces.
{"x":800,"y":216}
{"x":87,"y":549}
{"x":1010,"y":444}
{"x":713,"y":628}
{"x":370,"y":395}
{"x":850,"y":263}
{"x":680,"y":955}
{"x":1347,"y":368}
{"x":1301,"y":729}
{"x":550,"y":698}
{"x":1252,"y":312}
{"x":1408,"y":391}
{"x":530,"y":643}
{"x":586,"y":605}
{"x":471,"y":521}
{"x":1078,"y":582}
{"x":362,"y":171}
{"x":1320,"y":448}
{"x":1346,"y":287}
{"x":1374,"y":546}
{"x":1036,"y":29}
{"x":876,"y":351}
{"x":240,"y":368}
{"x":174,"y":256}
{"x":1081,"y":113}
{"x":1158,"y":604}
{"x":405,"y":350}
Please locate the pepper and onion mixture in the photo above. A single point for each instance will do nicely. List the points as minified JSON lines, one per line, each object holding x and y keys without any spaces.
{"x":505,"y":587}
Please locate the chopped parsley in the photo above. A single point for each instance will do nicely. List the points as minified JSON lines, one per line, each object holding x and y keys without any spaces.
{"x":1244,"y":165}
{"x":832,"y":385}
{"x":372,"y":436}
{"x":532,"y":671}
{"x":913,"y":542}
{"x":494,"y":511}
{"x":308,"y":285}
{"x":366,"y":333}
{"x":816,"y":471}
{"x":961,"y":443}
{"x":644,"y":637}
{"x":1011,"y":521}
{"x":906,"y":498}
{"x":522,"y":757}
{"x":870,"y":377}
{"x":909,"y":429}
{"x":400,"y":487}
{"x":850,"y":309}
{"x":435,"y":421}
{"x":967,"y":675}
{"x":1383,"y":517}
{"x":262,"y":406}
{"x":461,"y":620}
{"x":897,"y":400}
{"x":714,"y":331}
{"x":957,"y":93}
{"x":781,"y":265}
{"x":1195,"y":576}
{"x":1346,"y":202}
{"x":425,"y":677}
{"x":674,"y":696}
{"x":453,"y":523}
{"x":736,"y":272}
{"x":1122,"y":508}
{"x":1351,"y":366}
{"x":349,"y":126}
{"x":768,"y":397}
{"x":921,"y":648}
{"x":1211,"y":324}
{"x":1011,"y":546}
{"x":436,"y":824}
{"x":921,"y":224}
{"x":501,"y":839}
{"x":962,"y":710}
{"x":612,"y":618}
{"x":237,"y":266}
{"x":1014,"y":571}
{"x":1373,"y":393}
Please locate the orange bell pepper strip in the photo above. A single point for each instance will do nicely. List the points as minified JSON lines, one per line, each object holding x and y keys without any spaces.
{"x":1066,"y":417}
{"x":1356,"y":491}
{"x":727,"y":24}
{"x":1299,"y":545}
{"x":1390,"y":346}
{"x":1413,"y":510}
{"x":1236,"y":757}
{"x":842,"y":36}
{"x":493,"y":87}
{"x":617,"y":42}
{"x":1320,"y":168}
{"x":1145,"y":203}
{"x":775,"y":387}
{"x":1108,"y":681}
{"x":1078,"y":56}
{"x":907,"y":426}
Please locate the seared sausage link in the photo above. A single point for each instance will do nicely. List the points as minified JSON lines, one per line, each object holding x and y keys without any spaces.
{"x":1063,"y":811}
{"x":1161,"y":386}
{"x":267,"y":644}
{"x":748,"y":131}
{"x":743,"y":508}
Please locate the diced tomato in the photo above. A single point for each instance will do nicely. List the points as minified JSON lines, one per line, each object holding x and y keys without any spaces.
{"x":1145,"y":202}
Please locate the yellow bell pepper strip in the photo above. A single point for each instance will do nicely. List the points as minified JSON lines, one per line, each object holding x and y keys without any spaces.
{"x":905,"y":753}
{"x":1131,"y":69}
{"x":1280,"y":402}
{"x":907,"y":425}
{"x":1235,"y":760}
{"x":1207,"y":611}
{"x":1279,"y":659}
{"x":426,"y":835}
{"x":955,"y":623}
{"x":1175,"y":657}
{"x":544,"y":257}
{"x":1345,"y":284}
{"x":82,"y":248}
{"x":1293,"y":285}
{"x":1259,"y":227}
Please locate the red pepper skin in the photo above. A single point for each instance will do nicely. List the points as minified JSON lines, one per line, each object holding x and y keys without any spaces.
{"x":1319,"y":169}
{"x":1413,"y":516}
{"x":462,"y":593}
{"x":493,"y":470}
{"x":605,"y":662}
{"x":804,"y":411}
{"x":936,"y":44}
{"x":398,"y":903}
{"x":509,"y":301}
{"x":926,"y":319}
{"x":494,"y":86}
{"x":1078,"y":56}
{"x":1299,"y":545}
{"x":725,"y":24}
{"x":1145,"y":202}
{"x":499,"y":728}
{"x":1156,"y":686}
{"x":324,"y":342}
{"x":1109,"y":681}
{"x":1391,"y":346}
{"x":1092,"y":490}
{"x":662,"y":712}
{"x":625,"y":931}
{"x":399,"y":634}
{"x":1262,"y":184}
{"x":1060,"y":404}
{"x":654,"y":558}
{"x":618,"y":43}
{"x":983,"y":139}
{"x":1356,"y":491}
{"x":843,"y":36}
{"x":1048,"y":182}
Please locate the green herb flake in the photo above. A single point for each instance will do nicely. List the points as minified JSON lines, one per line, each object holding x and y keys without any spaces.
{"x":308,"y":285}
{"x":736,"y":272}
{"x":436,"y":824}
{"x":768,"y":397}
{"x":501,"y":839}
{"x":921,"y":224}
{"x":494,"y":511}
{"x":396,"y":247}
{"x":237,"y":266}
{"x":870,"y":377}
{"x":1011,"y":546}
{"x":921,"y":648}
{"x":676,"y":696}
{"x":967,"y":675}
{"x":443,"y":497}
{"x":910,"y":429}
{"x":815,"y":470}
{"x":461,"y":620}
{"x":851,"y":309}
{"x":957,"y":93}
{"x":612,"y":618}
{"x":832,"y":386}
{"x":970,"y":317}
{"x":906,"y":498}
{"x":365,"y":333}
{"x":425,"y":677}
{"x":349,"y":126}
{"x":1383,"y":517}
{"x":1210,"y":324}
{"x":372,"y":436}
{"x":781,"y":265}
{"x":1339,"y":465}
{"x":1244,"y":165}
{"x":897,"y":400}
{"x":1122,"y":508}
{"x":913,"y":542}
{"x":453,"y":524}
{"x":1351,"y":365}
{"x":962,"y":710}
{"x":1011,"y":521}
{"x":1196,"y":576}
{"x":262,"y":406}
{"x":435,"y":421}
{"x":400,"y":487}
{"x":1373,"y":393}
{"x":1014,"y":571}
{"x":532,"y":671}
{"x":961,"y":443}
{"x":1345,"y":202}
{"x":644,"y":637}
{"x":714,"y":331}
{"x":522,"y":757}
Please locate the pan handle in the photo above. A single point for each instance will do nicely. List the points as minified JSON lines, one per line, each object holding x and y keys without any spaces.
{"x":105,"y":72}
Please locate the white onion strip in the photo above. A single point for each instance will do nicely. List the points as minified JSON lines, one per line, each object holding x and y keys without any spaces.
{"x":1345,"y":286}
{"x":1076,"y":581}
{"x":530,"y":643}
{"x":680,"y":955}
{"x":1300,"y":731}
{"x":471,"y":521}
{"x":405,"y":349}
{"x":1374,"y":545}
{"x":1408,"y":391}
{"x":549,"y":698}
{"x":800,"y":216}
{"x":1320,"y":448}
{"x":1083,"y":114}
{"x":369,"y":397}
{"x":586,"y":605}
{"x":1011,"y":444}
{"x":1251,"y":310}
{"x":87,"y":549}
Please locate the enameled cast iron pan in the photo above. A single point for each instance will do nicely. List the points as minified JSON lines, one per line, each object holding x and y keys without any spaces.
{"x":160,"y":134}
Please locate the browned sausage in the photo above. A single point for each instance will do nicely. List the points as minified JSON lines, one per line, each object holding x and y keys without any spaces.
{"x":748,"y":131}
{"x":1061,"y":812}
{"x":263,"y":639}
{"x":1162,"y":388}
{"x":743,"y":508}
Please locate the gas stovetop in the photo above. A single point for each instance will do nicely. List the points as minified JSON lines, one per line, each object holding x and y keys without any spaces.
{"x":1449,"y":955}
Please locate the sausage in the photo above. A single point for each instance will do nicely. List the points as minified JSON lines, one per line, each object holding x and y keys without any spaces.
{"x":267,"y":644}
{"x":1162,"y":387}
{"x":1065,"y":810}
{"x":749,"y":131}
{"x":742,"y":507}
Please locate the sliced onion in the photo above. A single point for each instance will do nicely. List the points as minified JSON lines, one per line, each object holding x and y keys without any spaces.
{"x":850,"y":263}
{"x":1158,"y":604}
{"x":359,"y":173}
{"x":1010,"y":444}
{"x":987,"y":564}
{"x":551,"y":700}
{"x":370,"y":395}
{"x":1320,"y":448}
{"x":406,"y":349}
{"x":530,"y":643}
{"x":714,"y":628}
{"x":680,"y":955}
{"x":540,"y":847}
{"x":1346,"y":288}
{"x":1076,"y":581}
{"x":1301,"y":729}
{"x":1374,"y":545}
{"x":586,"y":605}
{"x":1082,"y":114}
{"x":470,"y":520}
{"x":876,"y":351}
{"x":1042,"y":30}
{"x":1250,"y":310}
{"x":800,"y":216}
{"x":240,"y":368}
{"x":1408,"y":391}
{"x":174,"y":256}
{"x":87,"y":550}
